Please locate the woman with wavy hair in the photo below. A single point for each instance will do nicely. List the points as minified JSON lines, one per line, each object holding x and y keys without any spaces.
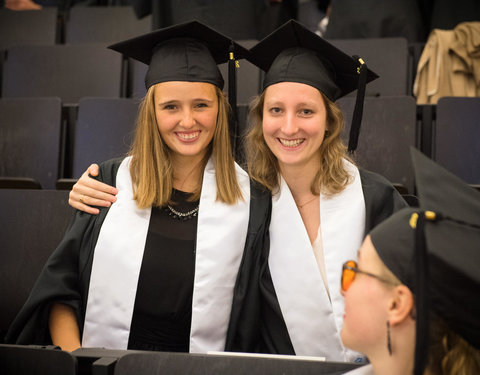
{"x":322,"y":204}
{"x":157,"y":270}
{"x":411,"y":299}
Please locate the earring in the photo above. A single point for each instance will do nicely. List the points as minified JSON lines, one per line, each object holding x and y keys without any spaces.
{"x":389,"y":343}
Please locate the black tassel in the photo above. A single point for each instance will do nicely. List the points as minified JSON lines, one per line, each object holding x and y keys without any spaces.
{"x":358,"y":111}
{"x":232,"y":99}
{"x":421,"y":297}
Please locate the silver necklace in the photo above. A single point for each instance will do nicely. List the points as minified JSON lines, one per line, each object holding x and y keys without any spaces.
{"x":182,"y":215}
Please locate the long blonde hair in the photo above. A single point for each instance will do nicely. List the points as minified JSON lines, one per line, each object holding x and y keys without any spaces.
{"x":263,"y":167}
{"x":151,"y":166}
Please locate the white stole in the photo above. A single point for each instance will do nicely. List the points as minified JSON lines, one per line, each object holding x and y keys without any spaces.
{"x":221,"y":234}
{"x":313,"y":321}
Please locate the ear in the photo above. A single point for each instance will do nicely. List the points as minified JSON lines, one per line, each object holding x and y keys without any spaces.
{"x":401,"y":304}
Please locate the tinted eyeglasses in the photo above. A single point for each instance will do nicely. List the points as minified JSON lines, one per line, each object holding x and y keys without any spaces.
{"x":350,"y":269}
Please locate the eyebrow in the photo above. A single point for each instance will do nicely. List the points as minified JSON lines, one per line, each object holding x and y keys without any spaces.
{"x":280,"y":102}
{"x":174,"y":101}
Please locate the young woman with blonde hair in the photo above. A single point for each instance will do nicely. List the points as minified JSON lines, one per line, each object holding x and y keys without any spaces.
{"x":157,"y":270}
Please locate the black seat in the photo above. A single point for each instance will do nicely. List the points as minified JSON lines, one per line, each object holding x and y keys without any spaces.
{"x":136,"y":75}
{"x":69,"y":72}
{"x":199,"y":364}
{"x":457,"y":134}
{"x":30,"y":139}
{"x":104,"y":130}
{"x":19,"y":360}
{"x":26,"y":27}
{"x":36,"y":27}
{"x":33,"y":223}
{"x":388,"y":57}
{"x":388,"y":130}
{"x":101,"y":24}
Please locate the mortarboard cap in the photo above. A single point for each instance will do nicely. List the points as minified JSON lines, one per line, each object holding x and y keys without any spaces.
{"x":435,"y":251}
{"x":186,"y":52}
{"x":292,"y":53}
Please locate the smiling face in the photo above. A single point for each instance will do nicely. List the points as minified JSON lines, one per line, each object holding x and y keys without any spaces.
{"x":294,"y":124}
{"x":186,"y":114}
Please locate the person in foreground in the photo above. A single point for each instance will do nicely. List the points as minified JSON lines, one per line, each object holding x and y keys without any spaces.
{"x":411,"y":303}
{"x":157,"y":270}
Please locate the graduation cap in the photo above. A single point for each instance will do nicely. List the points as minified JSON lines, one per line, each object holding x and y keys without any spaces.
{"x":435,"y":251}
{"x":186,"y":52}
{"x":292,"y":53}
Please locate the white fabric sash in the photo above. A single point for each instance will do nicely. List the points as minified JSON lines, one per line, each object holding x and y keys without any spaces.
{"x":314,"y":323}
{"x":221,"y":236}
{"x":118,"y":255}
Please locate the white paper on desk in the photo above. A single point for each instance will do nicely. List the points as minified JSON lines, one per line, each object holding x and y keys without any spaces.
{"x":273,"y":356}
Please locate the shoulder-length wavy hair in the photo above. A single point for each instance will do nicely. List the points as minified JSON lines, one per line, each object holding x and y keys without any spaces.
{"x":151,"y":166}
{"x":331,"y":177}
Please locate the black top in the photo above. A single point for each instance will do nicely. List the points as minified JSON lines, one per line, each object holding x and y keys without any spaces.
{"x":163,"y":305}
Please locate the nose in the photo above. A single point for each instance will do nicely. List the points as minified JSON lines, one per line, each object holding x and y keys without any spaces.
{"x":290,"y":125}
{"x":188,"y":119}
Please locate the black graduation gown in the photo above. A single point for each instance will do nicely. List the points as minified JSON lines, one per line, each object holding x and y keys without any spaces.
{"x":269,"y":333}
{"x":66,"y":275}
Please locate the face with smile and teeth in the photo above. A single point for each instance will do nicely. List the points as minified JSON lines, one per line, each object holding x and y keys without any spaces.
{"x":186,"y":114}
{"x":294,"y":124}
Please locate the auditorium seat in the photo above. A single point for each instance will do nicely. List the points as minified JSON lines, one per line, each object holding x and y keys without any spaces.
{"x":69,"y":72}
{"x":102,"y":24}
{"x":104,"y":130}
{"x":36,"y":27}
{"x":23,"y":360}
{"x":136,"y":76}
{"x":30,"y":139}
{"x":457,"y":134}
{"x":26,"y":27}
{"x":388,"y":57}
{"x":388,"y":130}
{"x":33,"y":223}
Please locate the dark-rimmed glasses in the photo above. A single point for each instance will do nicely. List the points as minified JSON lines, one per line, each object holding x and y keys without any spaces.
{"x":350,"y":269}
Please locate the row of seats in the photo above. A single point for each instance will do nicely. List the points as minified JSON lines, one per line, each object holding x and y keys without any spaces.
{"x":38,"y":141}
{"x":99,"y":24}
{"x":36,"y":66}
{"x":72,"y":72}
